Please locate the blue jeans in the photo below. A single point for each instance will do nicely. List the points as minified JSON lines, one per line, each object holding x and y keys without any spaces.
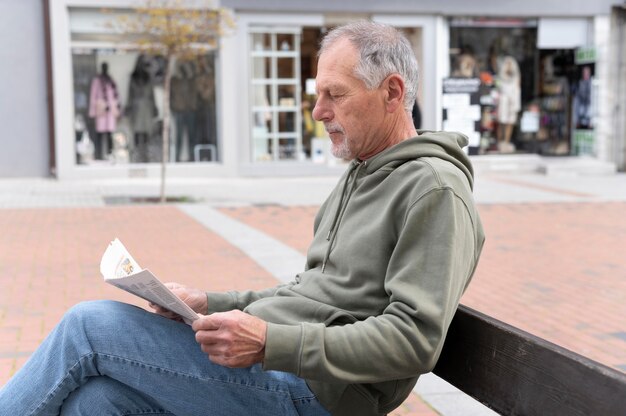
{"x":110,"y":358}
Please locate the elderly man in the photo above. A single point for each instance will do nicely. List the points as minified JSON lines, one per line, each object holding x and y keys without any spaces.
{"x":395,"y":246}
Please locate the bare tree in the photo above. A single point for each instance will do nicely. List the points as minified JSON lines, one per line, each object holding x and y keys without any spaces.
{"x":176,"y":30}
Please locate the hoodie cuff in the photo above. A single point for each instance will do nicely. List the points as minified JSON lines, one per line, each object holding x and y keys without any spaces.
{"x":283,"y":346}
{"x":220,"y":302}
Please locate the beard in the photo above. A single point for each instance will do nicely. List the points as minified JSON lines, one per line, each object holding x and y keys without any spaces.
{"x":342,"y":149}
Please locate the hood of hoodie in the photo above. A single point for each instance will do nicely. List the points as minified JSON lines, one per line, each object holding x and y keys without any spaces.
{"x":447,"y":146}
{"x":441,"y":145}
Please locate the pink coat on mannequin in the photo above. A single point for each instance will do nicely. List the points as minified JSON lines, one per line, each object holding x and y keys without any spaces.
{"x":104,"y":105}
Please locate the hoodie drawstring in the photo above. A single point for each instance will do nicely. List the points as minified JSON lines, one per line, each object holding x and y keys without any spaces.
{"x":341,"y":208}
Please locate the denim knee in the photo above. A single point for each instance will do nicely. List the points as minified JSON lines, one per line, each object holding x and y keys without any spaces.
{"x":101,"y":314}
{"x":89,"y":310}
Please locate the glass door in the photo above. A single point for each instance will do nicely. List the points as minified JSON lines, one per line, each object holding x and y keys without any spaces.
{"x":275,"y":94}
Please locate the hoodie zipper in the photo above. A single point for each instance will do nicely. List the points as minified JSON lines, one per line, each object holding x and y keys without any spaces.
{"x":346,"y":193}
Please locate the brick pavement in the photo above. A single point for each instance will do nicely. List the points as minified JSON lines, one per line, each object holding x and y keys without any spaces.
{"x":558,"y":271}
{"x":553,"y":269}
{"x":49,"y":261}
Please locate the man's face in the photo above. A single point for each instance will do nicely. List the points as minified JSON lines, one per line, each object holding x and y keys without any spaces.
{"x":350,"y":112}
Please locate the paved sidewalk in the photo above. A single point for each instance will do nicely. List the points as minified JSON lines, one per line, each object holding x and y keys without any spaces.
{"x":552,"y":263}
{"x":489,"y":188}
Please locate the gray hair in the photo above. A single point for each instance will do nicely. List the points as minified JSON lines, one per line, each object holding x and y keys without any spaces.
{"x":383,"y":50}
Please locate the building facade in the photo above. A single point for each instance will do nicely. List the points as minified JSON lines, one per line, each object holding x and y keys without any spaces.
{"x":523,"y":78}
{"x":25,"y":148}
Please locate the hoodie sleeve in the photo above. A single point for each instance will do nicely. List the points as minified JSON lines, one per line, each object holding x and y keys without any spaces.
{"x":434,"y":258}
{"x":227,"y":301}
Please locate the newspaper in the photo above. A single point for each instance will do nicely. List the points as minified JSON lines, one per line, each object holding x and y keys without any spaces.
{"x":120,"y":269}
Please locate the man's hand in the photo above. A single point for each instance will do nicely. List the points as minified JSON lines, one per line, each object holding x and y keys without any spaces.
{"x":195,"y":298}
{"x":232,"y":339}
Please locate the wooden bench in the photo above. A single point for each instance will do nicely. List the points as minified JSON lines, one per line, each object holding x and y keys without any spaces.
{"x":516,"y":373}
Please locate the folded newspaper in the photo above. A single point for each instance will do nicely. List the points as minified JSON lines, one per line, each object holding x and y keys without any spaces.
{"x":120,"y":269}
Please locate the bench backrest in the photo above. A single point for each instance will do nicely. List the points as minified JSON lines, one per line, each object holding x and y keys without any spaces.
{"x":516,"y":373}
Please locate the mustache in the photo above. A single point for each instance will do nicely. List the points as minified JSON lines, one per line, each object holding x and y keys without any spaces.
{"x":333,"y":127}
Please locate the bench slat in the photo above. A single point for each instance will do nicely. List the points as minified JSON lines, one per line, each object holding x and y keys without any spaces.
{"x":516,"y":373}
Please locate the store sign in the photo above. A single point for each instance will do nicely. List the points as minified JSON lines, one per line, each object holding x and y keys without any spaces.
{"x":461,"y":108}
{"x":461,"y":85}
{"x":585,"y":55}
{"x":497,"y":22}
{"x":584,"y":142}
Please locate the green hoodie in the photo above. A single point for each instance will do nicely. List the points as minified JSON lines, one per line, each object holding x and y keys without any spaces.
{"x":395,"y":245}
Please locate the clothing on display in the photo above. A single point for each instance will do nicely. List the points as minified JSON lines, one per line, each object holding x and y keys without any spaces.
{"x":141,"y":106}
{"x":510,"y":93}
{"x":141,"y":109}
{"x":206,"y":120}
{"x":183,"y":104}
{"x":582,"y":99}
{"x":104,"y":105}
{"x":104,"y":108}
{"x":509,"y":101}
{"x":125,"y":95}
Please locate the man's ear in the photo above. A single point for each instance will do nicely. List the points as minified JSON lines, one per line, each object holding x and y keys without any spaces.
{"x":394,"y":87}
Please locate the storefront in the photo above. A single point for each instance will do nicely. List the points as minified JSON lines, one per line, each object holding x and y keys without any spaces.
{"x":527,"y":96}
{"x":109,"y":99}
{"x":244,"y":108}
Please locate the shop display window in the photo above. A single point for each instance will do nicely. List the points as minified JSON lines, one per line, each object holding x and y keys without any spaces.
{"x":501,"y":56}
{"x":118,"y":107}
{"x":531,"y":100}
{"x":119,"y":97}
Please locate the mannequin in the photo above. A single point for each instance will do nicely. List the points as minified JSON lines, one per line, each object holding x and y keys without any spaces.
{"x":582,"y":99}
{"x":141,"y":107}
{"x":183,"y":103}
{"x":205,"y":85}
{"x":510,"y":101}
{"x":554,"y":106}
{"x":104,"y":107}
{"x":465,"y":66}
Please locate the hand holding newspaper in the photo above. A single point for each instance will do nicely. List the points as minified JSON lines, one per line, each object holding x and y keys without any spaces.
{"x":120,"y":269}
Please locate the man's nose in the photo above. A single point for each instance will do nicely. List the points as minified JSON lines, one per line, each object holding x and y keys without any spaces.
{"x":321,"y":112}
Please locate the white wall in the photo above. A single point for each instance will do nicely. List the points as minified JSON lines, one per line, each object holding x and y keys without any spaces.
{"x":603,"y":123}
{"x":24,"y":149}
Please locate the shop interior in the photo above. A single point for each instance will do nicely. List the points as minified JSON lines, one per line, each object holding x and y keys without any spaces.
{"x":525,"y":93}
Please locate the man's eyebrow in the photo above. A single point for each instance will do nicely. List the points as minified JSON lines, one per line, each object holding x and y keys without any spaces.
{"x":332,"y":86}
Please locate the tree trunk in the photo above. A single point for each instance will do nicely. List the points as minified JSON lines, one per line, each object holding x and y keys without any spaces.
{"x":165,"y":134}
